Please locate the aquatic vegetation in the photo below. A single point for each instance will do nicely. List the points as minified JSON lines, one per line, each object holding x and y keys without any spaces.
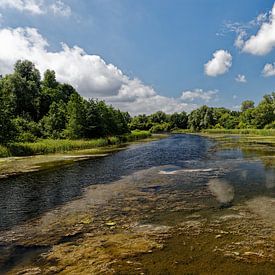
{"x":51,"y":146}
{"x":171,"y":212}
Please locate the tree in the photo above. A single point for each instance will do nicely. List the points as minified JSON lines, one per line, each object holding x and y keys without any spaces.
{"x":24,"y":84}
{"x":158,"y":117}
{"x":201,"y":118}
{"x":141,"y":122}
{"x":54,"y":122}
{"x":76,"y":117}
{"x":179,"y":120}
{"x":247,"y":104}
{"x":7,"y":103}
{"x":50,"y":79}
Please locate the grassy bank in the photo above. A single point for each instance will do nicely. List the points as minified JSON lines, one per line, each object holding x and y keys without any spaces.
{"x":254,"y":132}
{"x":257,"y":132}
{"x":49,"y":146}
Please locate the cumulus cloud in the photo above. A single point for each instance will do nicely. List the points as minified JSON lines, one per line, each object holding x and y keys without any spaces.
{"x":264,"y":40}
{"x":89,"y":74}
{"x":198,"y":94}
{"x":153,"y":104}
{"x":241,"y":78}
{"x":239,"y":41}
{"x":32,"y":6}
{"x":219,"y":64}
{"x":37,"y":7}
{"x":269,"y":70}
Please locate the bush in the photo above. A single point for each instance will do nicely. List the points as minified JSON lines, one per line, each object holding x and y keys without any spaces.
{"x":158,"y":128}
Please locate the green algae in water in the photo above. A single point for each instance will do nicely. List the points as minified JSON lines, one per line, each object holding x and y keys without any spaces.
{"x":167,"y":221}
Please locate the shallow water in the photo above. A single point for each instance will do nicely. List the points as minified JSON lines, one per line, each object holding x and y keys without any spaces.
{"x":170,"y":196}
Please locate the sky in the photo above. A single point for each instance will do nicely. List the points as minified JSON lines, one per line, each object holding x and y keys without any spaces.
{"x":147,"y":55}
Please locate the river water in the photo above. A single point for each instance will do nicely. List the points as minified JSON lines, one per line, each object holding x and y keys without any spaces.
{"x":178,"y":192}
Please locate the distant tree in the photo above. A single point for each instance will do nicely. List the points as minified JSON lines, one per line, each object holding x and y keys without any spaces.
{"x":7,"y":105}
{"x":201,"y":118}
{"x":158,"y":117}
{"x":54,"y":122}
{"x":247,"y":104}
{"x":141,"y":122}
{"x":178,"y":120}
{"x":76,"y":117}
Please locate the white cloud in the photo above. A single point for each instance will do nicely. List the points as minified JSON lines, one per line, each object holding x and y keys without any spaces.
{"x":239,"y":41}
{"x":241,"y":78}
{"x":269,"y":70}
{"x":59,"y":8}
{"x":264,"y":40}
{"x":89,"y":74}
{"x":153,"y":104}
{"x":32,"y":6}
{"x":38,"y":7}
{"x":198,"y":94}
{"x":236,"y":107}
{"x":219,"y":64}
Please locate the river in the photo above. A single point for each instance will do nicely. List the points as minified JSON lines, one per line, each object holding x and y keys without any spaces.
{"x":177,"y":205}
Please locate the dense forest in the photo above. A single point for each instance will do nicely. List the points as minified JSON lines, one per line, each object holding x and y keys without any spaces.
{"x":34,"y":108}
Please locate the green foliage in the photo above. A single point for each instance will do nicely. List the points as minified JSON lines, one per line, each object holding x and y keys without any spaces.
{"x":247,"y":104}
{"x":26,"y":130}
{"x":141,"y":122}
{"x":7,"y":106}
{"x":33,"y":109}
{"x":202,"y":118}
{"x":47,"y":146}
{"x":54,"y":122}
{"x":4,"y":152}
{"x":158,"y":128}
{"x":179,"y":120}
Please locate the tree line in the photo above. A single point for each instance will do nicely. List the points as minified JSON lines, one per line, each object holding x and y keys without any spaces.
{"x":33,"y":107}
{"x":250,"y":116}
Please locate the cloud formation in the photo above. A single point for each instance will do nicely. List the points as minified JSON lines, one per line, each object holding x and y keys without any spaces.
{"x":37,"y":7}
{"x":269,"y":70}
{"x":32,"y":6}
{"x":264,"y":40}
{"x":241,"y":78}
{"x":219,"y":64}
{"x":198,"y":94}
{"x":89,"y":74}
{"x":60,"y":9}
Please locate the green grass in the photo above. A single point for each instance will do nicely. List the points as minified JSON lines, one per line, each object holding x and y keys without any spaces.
{"x":260,"y":132}
{"x":256,"y":132}
{"x":137,"y":135}
{"x":49,"y":146}
{"x":4,"y":152}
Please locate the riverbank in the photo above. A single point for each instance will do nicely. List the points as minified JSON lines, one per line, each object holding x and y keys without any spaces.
{"x":50,"y":146}
{"x":252,"y":143}
{"x":65,"y":152}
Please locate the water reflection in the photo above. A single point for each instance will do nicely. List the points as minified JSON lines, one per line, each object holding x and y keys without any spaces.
{"x":222,"y":190}
{"x":26,"y":196}
{"x":183,"y":157}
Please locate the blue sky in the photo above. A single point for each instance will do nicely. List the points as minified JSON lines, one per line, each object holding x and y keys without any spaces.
{"x":152,"y":52}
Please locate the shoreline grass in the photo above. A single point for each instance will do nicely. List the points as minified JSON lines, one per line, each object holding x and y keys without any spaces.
{"x":50,"y":146}
{"x":257,"y":132}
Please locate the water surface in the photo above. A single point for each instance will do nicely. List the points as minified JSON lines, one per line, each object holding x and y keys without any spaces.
{"x":167,"y":207}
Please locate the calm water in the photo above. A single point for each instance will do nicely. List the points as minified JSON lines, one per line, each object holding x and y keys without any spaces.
{"x":28,"y":195}
{"x":174,"y":169}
